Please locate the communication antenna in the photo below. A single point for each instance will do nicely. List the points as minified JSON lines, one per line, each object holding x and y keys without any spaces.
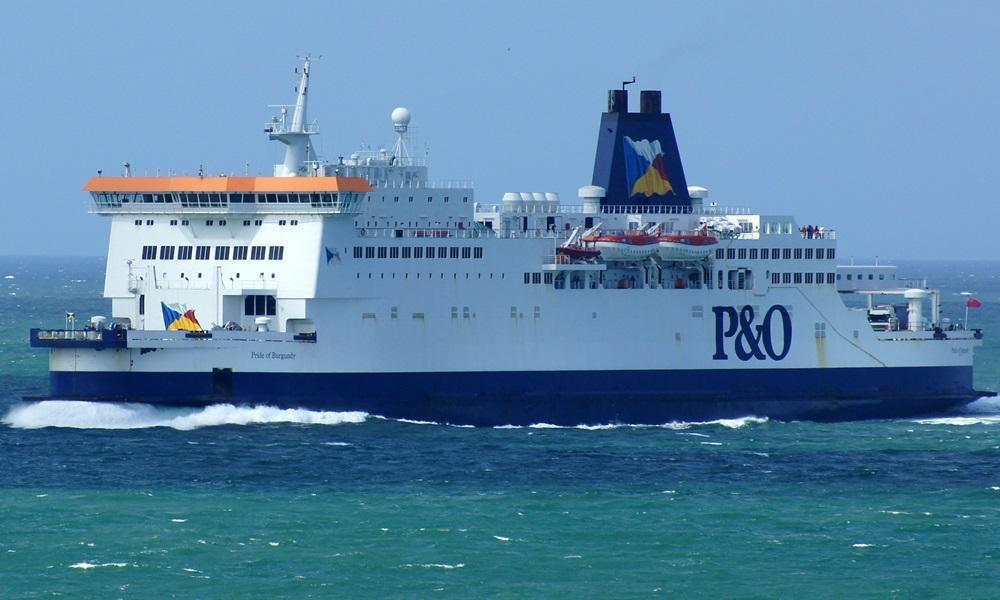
{"x":624,"y":83}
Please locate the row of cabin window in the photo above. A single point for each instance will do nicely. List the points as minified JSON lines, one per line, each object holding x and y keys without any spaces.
{"x":417,"y":252}
{"x":222,"y":222}
{"x":431,"y":276}
{"x":775,"y":253}
{"x":537,"y":278}
{"x":789,"y":278}
{"x":220,"y":199}
{"x":429,"y":199}
{"x":221,"y":252}
{"x":871,"y":276}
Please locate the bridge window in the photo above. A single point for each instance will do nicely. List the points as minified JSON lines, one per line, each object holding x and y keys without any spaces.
{"x":183,"y":252}
{"x":240,"y":252}
{"x":786,"y":253}
{"x":830,"y":253}
{"x":369,"y":251}
{"x":148,"y":252}
{"x":357,"y":252}
{"x":406,"y":252}
{"x":202,"y":252}
{"x":753,"y":254}
{"x":454,"y":252}
{"x":797,"y":278}
{"x":730,"y":254}
{"x":775,"y":253}
{"x":798,"y":253}
{"x":775,"y":278}
{"x":809,"y":253}
{"x":222,"y":253}
{"x":257,"y":253}
{"x":382,"y":252}
{"x":394,"y":252}
{"x":786,"y":278}
{"x":418,"y":252}
{"x":765,"y":253}
{"x":741,"y":254}
{"x":829,"y":277}
{"x":477,"y":252}
{"x":166,"y":252}
{"x":275,"y":253}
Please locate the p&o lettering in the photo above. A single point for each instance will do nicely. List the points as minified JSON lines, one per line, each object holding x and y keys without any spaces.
{"x":750,"y":341}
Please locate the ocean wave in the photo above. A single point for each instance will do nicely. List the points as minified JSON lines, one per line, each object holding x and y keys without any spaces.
{"x":985,"y":411}
{"x":962,"y":421}
{"x":678,"y":425}
{"x":89,"y":565}
{"x":434,"y":566}
{"x":102,"y":415}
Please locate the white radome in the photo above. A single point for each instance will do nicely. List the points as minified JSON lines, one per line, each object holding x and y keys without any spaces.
{"x":401,"y":116}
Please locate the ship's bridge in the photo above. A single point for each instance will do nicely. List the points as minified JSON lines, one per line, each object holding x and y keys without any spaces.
{"x":211,"y":195}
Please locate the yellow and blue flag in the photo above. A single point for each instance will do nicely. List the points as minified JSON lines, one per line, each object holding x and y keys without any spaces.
{"x":176,"y":317}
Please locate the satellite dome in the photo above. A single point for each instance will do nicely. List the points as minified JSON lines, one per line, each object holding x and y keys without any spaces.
{"x":401,"y":116}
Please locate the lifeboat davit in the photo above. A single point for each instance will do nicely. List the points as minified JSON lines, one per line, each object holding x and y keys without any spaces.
{"x":687,"y":245}
{"x":629,"y":245}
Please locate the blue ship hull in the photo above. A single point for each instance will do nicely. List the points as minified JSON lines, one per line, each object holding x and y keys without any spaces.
{"x":561,"y":398}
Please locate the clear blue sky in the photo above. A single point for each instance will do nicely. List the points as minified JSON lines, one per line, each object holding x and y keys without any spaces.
{"x":881,"y":119}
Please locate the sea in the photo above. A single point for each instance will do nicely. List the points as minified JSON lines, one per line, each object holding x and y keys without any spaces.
{"x":134,"y":501}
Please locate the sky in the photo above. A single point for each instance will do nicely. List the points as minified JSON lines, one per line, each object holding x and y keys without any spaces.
{"x":877,"y":119}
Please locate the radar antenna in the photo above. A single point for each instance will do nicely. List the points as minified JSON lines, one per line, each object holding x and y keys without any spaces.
{"x":400,"y":124}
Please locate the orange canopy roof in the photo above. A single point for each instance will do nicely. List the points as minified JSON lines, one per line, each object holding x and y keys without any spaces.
{"x":227,"y":184}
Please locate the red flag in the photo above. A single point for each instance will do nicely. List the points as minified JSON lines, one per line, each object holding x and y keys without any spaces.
{"x":973,"y":303}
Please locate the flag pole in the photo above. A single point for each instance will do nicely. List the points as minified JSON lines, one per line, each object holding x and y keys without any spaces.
{"x":966,"y":295}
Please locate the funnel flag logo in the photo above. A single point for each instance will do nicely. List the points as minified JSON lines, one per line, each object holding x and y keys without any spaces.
{"x":176,"y":317}
{"x":646,"y":169}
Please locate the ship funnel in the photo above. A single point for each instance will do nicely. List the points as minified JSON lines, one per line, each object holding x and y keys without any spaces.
{"x":617,"y":101}
{"x":649,"y":102}
{"x":637,"y":160}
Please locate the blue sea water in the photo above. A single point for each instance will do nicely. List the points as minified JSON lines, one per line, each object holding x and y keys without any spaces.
{"x":132,"y":501}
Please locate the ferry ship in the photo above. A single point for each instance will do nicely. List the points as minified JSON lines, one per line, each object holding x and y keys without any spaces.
{"x":360,"y":284}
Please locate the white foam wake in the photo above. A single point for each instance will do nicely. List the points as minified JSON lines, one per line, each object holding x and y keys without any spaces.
{"x":102,"y":415}
{"x":985,"y":411}
{"x":730,"y":423}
